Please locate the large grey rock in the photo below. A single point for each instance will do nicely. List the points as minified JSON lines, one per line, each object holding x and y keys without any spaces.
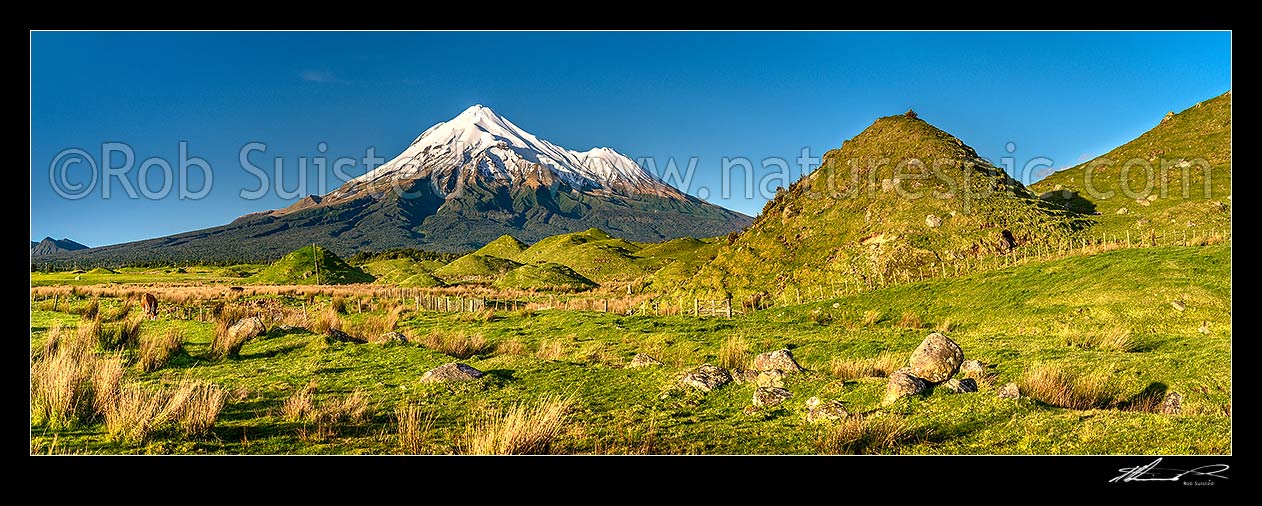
{"x":707,"y":377}
{"x":780,"y":359}
{"x":246,"y":328}
{"x":341,"y":337}
{"x":453,"y":371}
{"x":902,"y":384}
{"x":742,"y":376}
{"x":1172,"y":404}
{"x":1009,"y":391}
{"x":956,"y":386}
{"x":765,"y":397}
{"x":973,"y":369}
{"x":772,"y":379}
{"x":642,"y":360}
{"x":390,"y":338}
{"x":818,"y":410}
{"x":936,"y":359}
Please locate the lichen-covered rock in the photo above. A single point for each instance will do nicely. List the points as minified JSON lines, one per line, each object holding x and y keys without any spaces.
{"x":742,"y":376}
{"x":780,"y":359}
{"x":902,"y":384}
{"x":818,"y":410}
{"x":1009,"y":391}
{"x":1172,"y":404}
{"x":707,"y":377}
{"x":246,"y":328}
{"x":773,"y":378}
{"x":642,"y":360}
{"x":973,"y":369}
{"x":390,"y":338}
{"x":766,"y":397}
{"x":453,"y":371}
{"x":936,"y":359}
{"x":956,"y":386}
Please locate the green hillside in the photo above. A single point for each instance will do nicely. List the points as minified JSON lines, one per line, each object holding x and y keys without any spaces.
{"x":898,"y":201}
{"x":505,"y":246}
{"x":592,"y":253}
{"x":310,"y":265}
{"x":545,"y":277}
{"x":1190,"y":180}
{"x":474,"y":268}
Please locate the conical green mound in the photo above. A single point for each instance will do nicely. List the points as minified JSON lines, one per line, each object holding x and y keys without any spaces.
{"x":505,"y":246}
{"x":545,"y":277}
{"x":592,"y":253}
{"x":1191,"y":190}
{"x":300,"y":268}
{"x":404,"y":272}
{"x":899,"y":201}
{"x":474,"y":268}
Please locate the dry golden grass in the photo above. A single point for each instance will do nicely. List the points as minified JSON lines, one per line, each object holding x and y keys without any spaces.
{"x":119,"y":335}
{"x":521,"y":430}
{"x":300,"y":405}
{"x":195,"y":406}
{"x":512,"y":347}
{"x":118,"y":313}
{"x":483,"y":316}
{"x":352,"y":408}
{"x":874,"y":367}
{"x":157,"y":350}
{"x":224,"y":343}
{"x":61,"y":387}
{"x":135,"y":414}
{"x":859,"y":435}
{"x":415,"y":429}
{"x":551,"y":350}
{"x":107,"y":378}
{"x":455,"y":343}
{"x":1055,"y":386}
{"x":328,"y":320}
{"x":1108,"y":339}
{"x":910,"y":320}
{"x":871,"y":317}
{"x":371,"y":326}
{"x":733,"y":353}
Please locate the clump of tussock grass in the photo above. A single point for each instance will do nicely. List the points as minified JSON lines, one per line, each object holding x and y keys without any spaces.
{"x":371,"y":326}
{"x":89,"y":310}
{"x":1108,"y":339}
{"x":327,"y":320}
{"x":871,"y":317}
{"x":1055,"y":386}
{"x":522,"y":429}
{"x":107,"y":380}
{"x":352,"y":408}
{"x":512,"y":347}
{"x":483,"y":316}
{"x":119,"y":335}
{"x":224,"y":343}
{"x":858,"y":435}
{"x":158,"y":349}
{"x":415,"y":429}
{"x":910,"y":320}
{"x":879,"y":366}
{"x":134,"y":414}
{"x":551,"y":350}
{"x":195,"y":406}
{"x":120,"y":312}
{"x":300,"y":405}
{"x":338,"y":305}
{"x":69,"y":381}
{"x":733,"y":353}
{"x":455,"y":344}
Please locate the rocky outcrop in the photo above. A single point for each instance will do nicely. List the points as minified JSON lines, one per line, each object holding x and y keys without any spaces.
{"x":453,"y":371}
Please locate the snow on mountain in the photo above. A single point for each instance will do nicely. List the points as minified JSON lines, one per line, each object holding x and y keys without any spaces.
{"x":480,"y":140}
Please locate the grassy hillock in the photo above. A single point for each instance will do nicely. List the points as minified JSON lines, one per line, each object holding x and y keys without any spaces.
{"x":545,"y":277}
{"x":474,"y":268}
{"x":301,"y":267}
{"x":405,"y":272}
{"x":592,"y":253}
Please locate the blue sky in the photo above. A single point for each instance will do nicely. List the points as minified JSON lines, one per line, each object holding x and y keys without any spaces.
{"x":708,"y":95}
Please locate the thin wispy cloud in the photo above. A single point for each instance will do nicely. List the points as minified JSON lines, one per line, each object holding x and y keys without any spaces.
{"x":318,"y":76}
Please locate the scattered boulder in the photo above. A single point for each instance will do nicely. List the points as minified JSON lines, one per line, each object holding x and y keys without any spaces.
{"x":781,"y":359}
{"x":246,"y":328}
{"x":1009,"y":391}
{"x":742,"y":376}
{"x":1122,"y":210}
{"x":1169,"y":116}
{"x":770,"y":379}
{"x":955,"y":386}
{"x":818,"y":410}
{"x":1178,"y":305}
{"x":336,"y":335}
{"x":902,"y":384}
{"x":973,"y":369}
{"x":642,"y":360}
{"x":933,"y":221}
{"x":707,"y":377}
{"x":453,"y":371}
{"x":1143,"y":202}
{"x":1204,"y":328}
{"x":936,"y":359}
{"x":1172,"y":404}
{"x":390,"y":338}
{"x":765,"y":397}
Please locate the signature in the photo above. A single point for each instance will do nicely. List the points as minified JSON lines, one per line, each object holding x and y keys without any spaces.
{"x":1151,"y":472}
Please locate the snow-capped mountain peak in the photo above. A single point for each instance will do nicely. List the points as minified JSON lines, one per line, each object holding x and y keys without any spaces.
{"x":480,"y":140}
